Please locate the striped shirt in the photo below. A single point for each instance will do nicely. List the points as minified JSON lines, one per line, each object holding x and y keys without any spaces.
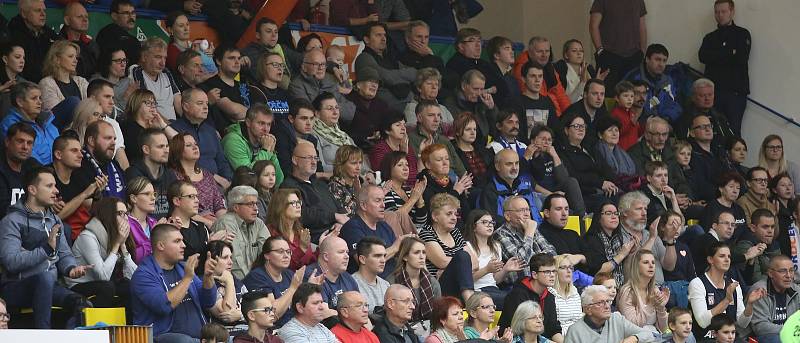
{"x":427,"y":234}
{"x":393,"y":202}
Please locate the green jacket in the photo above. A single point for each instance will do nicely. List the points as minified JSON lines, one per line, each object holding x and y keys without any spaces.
{"x":239,"y":152}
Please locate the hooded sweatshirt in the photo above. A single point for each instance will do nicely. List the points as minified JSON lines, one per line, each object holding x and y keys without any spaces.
{"x":24,"y":250}
{"x":766,"y":315}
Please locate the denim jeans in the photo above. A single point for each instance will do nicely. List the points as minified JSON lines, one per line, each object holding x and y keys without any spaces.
{"x":457,"y":276}
{"x":41,"y":292}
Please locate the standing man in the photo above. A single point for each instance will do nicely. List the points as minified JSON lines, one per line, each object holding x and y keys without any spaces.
{"x":76,"y":24}
{"x":619,"y":35}
{"x":117,"y":33}
{"x":726,"y":52}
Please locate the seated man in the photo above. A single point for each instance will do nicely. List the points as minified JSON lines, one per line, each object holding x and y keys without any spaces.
{"x":599,"y":324}
{"x":538,"y":110}
{"x":313,"y":81}
{"x":29,"y":30}
{"x":781,"y":300}
{"x":702,"y":102}
{"x":472,"y":97}
{"x":590,"y":108}
{"x":370,"y":109}
{"x":76,"y":25}
{"x":468,"y":57}
{"x":225,"y":93}
{"x":242,"y":220}
{"x":706,"y":162}
{"x":258,"y":310}
{"x":34,"y":253}
{"x":396,"y":80}
{"x":152,"y":74}
{"x":543,"y":274}
{"x":565,"y":241}
{"x":298,"y":128}
{"x":117,"y":33}
{"x":369,"y":222}
{"x":167,"y":294}
{"x":75,"y":197}
{"x":249,"y":141}
{"x":14,"y":163}
{"x":103,"y":91}
{"x":319,"y":208}
{"x":310,"y":309}
{"x":519,"y":236}
{"x":195,"y":121}
{"x":332,"y":264}
{"x":393,"y":326}
{"x":540,"y":51}
{"x":266,"y":41}
{"x":662,"y":196}
{"x":762,"y":234}
{"x":429,"y":118}
{"x":661,"y":93}
{"x":370,"y":254}
{"x":418,"y":54}
{"x":508,"y":182}
{"x":508,"y":127}
{"x":353,"y":316}
{"x":757,"y":195}
{"x":633,"y":221}
{"x":721,"y":230}
{"x":153,"y":166}
{"x":190,"y":70}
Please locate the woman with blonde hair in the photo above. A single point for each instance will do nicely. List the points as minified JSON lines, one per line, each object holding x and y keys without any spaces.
{"x":346,"y":182}
{"x":141,"y":203}
{"x":61,"y":81}
{"x":88,"y":111}
{"x":283,"y":216}
{"x":772,"y":158}
{"x":568,"y":301}
{"x":481,"y":310}
{"x":639,"y":300}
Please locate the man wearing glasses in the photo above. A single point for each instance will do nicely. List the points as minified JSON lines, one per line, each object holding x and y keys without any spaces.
{"x":781,"y":300}
{"x":706,"y":160}
{"x":393,"y":326}
{"x":115,"y":34}
{"x":249,"y":231}
{"x":259,"y":313}
{"x":757,"y":195}
{"x":519,"y":236}
{"x":534,"y":287}
{"x":468,"y":57}
{"x":312,"y":81}
{"x":353,"y":316}
{"x":600,"y":325}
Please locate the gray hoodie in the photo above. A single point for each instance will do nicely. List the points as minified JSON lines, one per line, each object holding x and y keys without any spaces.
{"x":764,"y":308}
{"x":23,"y":244}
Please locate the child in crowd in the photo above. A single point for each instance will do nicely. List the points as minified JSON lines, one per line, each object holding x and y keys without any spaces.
{"x":631,"y":129}
{"x":213,"y":333}
{"x":680,"y":324}
{"x":607,"y":280}
{"x":337,"y":67}
{"x":724,"y":328}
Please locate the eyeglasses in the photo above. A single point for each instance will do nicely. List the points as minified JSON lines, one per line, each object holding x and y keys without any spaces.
{"x":362,"y":306}
{"x":601,"y":303}
{"x":577,"y":126}
{"x":296,"y":203}
{"x":5,"y":317}
{"x":120,"y":60}
{"x":316,"y":65}
{"x":783,"y":271}
{"x":282,"y":251}
{"x":702,"y":127}
{"x":570,"y":268}
{"x":189,"y":196}
{"x":151,"y":103}
{"x":307,"y":158}
{"x":774,"y":147}
{"x":276,"y":65}
{"x":487,"y":307}
{"x":252,"y":204}
{"x":268,"y":309}
{"x":487,"y":222}
{"x":122,"y":213}
{"x":658,"y":134}
{"x":546,"y":272}
{"x":518,"y":210}
{"x":759,"y":180}
{"x":610,"y":213}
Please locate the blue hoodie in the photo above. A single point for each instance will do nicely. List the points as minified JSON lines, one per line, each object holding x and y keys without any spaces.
{"x":46,"y":133}
{"x":661,"y":94}
{"x":24,"y":250}
{"x":149,"y":300}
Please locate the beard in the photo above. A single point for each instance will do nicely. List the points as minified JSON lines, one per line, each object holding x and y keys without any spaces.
{"x":634,"y":226}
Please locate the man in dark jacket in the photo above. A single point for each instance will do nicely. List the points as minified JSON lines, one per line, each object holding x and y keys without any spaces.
{"x":298,"y":126}
{"x":116,"y":34}
{"x":467,"y":57}
{"x":267,"y":41}
{"x":726,"y":52}
{"x":706,"y":162}
{"x":418,"y":54}
{"x":76,"y":24}
{"x":654,"y":147}
{"x":319,"y":208}
{"x":702,"y":102}
{"x":590,"y":109}
{"x":508,"y":182}
{"x":28,"y":29}
{"x":34,"y":253}
{"x":195,"y":122}
{"x":393,"y":326}
{"x":543,"y":275}
{"x":153,"y":166}
{"x":15,"y":161}
{"x":396,"y":80}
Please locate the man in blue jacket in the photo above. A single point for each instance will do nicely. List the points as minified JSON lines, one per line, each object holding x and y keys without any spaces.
{"x":166,"y":293}
{"x":661,"y":92}
{"x":34,"y":252}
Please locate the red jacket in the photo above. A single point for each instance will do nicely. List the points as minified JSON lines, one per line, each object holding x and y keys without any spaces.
{"x":630,"y":131}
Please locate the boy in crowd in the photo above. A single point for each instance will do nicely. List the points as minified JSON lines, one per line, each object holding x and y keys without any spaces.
{"x":631,"y":128}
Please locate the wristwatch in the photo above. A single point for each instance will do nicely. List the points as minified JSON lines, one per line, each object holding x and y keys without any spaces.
{"x":668,"y":244}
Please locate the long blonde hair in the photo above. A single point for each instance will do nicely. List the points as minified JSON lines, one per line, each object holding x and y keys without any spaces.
{"x":82,"y":116}
{"x":50,"y":65}
{"x":633,"y":278}
{"x":762,"y":154}
{"x":563,"y":289}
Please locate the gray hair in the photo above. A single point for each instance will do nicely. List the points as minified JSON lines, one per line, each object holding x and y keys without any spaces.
{"x":627,"y":200}
{"x":470,"y":75}
{"x":655,"y":120}
{"x":537,"y":39}
{"x":256,"y":109}
{"x":237,"y":194}
{"x":702,"y":83}
{"x":153,"y":43}
{"x":363,"y":194}
{"x":426,"y":74}
{"x":415,"y":24}
{"x":21,"y":90}
{"x":587,"y":297}
{"x":524,"y":311}
{"x":186,"y":95}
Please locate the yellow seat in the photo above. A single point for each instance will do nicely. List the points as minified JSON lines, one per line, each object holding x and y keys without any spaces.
{"x":110,"y":316}
{"x":574,"y":224}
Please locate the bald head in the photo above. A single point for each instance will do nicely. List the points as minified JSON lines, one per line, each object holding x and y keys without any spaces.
{"x":506,"y":163}
{"x":333,"y":255}
{"x":331,"y":243}
{"x":395,"y":290}
{"x":304,"y":160}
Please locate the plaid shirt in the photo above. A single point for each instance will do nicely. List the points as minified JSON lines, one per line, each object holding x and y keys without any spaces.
{"x":515,"y":243}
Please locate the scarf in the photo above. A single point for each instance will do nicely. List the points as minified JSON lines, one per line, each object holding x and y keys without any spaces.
{"x":445,"y":336}
{"x":617,"y":159}
{"x":424,"y":307}
{"x":332,"y":134}
{"x":611,"y":245}
{"x":116,"y":183}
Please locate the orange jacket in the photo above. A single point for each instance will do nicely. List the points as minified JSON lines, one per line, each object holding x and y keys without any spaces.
{"x":555,"y":92}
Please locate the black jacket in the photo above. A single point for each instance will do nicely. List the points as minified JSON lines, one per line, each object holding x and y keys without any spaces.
{"x":11,"y":188}
{"x":319,"y":206}
{"x":160,"y":183}
{"x":35,"y":45}
{"x":388,"y":332}
{"x":113,"y":36}
{"x":588,"y":170}
{"x":725,"y":52}
{"x":706,"y":167}
{"x":655,"y":209}
{"x":460,"y":64}
{"x":521,"y":293}
{"x":580,"y":109}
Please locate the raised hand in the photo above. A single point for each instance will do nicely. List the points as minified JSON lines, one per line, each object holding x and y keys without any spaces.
{"x":508,"y":335}
{"x":52,"y":237}
{"x":463,"y":183}
{"x":210,"y":266}
{"x":316,"y":277}
{"x":756,"y":294}
{"x":513,"y":264}
{"x":297,"y":279}
{"x":123,"y":230}
{"x":489,"y":334}
{"x":494,"y":266}
{"x":190,"y":266}
{"x":305,"y":238}
{"x":730,"y":291}
{"x":79,"y":271}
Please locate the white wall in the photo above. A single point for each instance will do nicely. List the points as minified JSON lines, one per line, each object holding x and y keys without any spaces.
{"x":774,"y":60}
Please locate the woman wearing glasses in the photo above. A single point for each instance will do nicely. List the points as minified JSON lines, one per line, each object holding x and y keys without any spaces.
{"x":484,"y":250}
{"x":283,"y":216}
{"x":142,"y":203}
{"x":325,"y":127}
{"x":112,"y":66}
{"x":772,"y":158}
{"x":105,"y":243}
{"x":594,"y":175}
{"x":568,"y":301}
{"x":639,"y":300}
{"x":527,"y":325}
{"x":269,"y":88}
{"x":183,"y":156}
{"x":141,"y":113}
{"x":481,"y":309}
{"x":603,"y":243}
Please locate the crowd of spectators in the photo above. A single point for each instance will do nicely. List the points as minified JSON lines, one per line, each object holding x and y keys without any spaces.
{"x":266,"y":194}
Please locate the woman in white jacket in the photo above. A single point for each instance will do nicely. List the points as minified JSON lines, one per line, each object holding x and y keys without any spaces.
{"x":105,"y":244}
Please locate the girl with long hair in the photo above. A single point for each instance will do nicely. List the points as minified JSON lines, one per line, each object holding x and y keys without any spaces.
{"x":639,"y":300}
{"x":411,"y":273}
